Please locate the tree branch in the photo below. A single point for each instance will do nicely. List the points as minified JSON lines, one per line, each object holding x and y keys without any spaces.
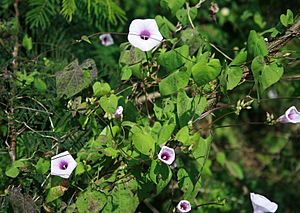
{"x":11,"y":120}
{"x":292,"y":32}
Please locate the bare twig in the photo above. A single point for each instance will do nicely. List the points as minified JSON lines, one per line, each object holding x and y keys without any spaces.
{"x":280,"y":42}
{"x":11,"y":123}
{"x":33,"y":130}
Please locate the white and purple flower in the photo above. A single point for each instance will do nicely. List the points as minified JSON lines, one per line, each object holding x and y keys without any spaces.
{"x":63,"y":165}
{"x":119,"y":112}
{"x":262,"y":204}
{"x":166,"y":155}
{"x":144,"y":34}
{"x":184,"y":206}
{"x":291,"y":116}
{"x":106,"y":39}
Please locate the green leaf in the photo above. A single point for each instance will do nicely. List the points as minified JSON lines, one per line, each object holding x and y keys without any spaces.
{"x":74,"y":78}
{"x":142,"y":141}
{"x":166,"y":131}
{"x":68,"y":9}
{"x":126,"y":73}
{"x":236,"y":170}
{"x":206,"y":70}
{"x":265,"y":74}
{"x":109,"y":104}
{"x":256,"y":45}
{"x":199,"y":104}
{"x":183,"y":136}
{"x":91,"y":201}
{"x":42,"y":166}
{"x":184,"y":112}
{"x":234,"y":75}
{"x":185,"y":183}
{"x":201,"y":148}
{"x":79,"y":168}
{"x":166,"y":28}
{"x":55,"y":193}
{"x":123,"y":198}
{"x":100,"y":89}
{"x":12,"y":172}
{"x":86,"y":39}
{"x":287,"y":19}
{"x":240,"y":58}
{"x":111,"y":152}
{"x":259,"y":20}
{"x":221,"y":158}
{"x":160,"y":174}
{"x":192,"y":38}
{"x":39,"y":84}
{"x":182,"y":15}
{"x":27,"y":42}
{"x":174,"y":82}
{"x":174,"y":59}
{"x":132,"y":56}
{"x":175,"y":5}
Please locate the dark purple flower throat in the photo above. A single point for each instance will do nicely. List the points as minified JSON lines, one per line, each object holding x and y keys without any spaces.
{"x":184,"y":206}
{"x":165,"y":156}
{"x":145,"y":35}
{"x":63,"y":165}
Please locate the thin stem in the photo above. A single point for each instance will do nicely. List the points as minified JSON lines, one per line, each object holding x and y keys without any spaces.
{"x":146,"y":95}
{"x":188,"y":13}
{"x":211,"y":203}
{"x":220,"y":51}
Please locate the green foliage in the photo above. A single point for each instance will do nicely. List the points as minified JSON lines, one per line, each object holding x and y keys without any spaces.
{"x":202,"y":92}
{"x":174,"y":82}
{"x":93,"y":201}
{"x":142,"y":141}
{"x":256,"y":45}
{"x":287,"y":19}
{"x":74,"y":78}
{"x":265,"y":74}
{"x":206,"y":69}
{"x":39,"y":13}
{"x":68,"y":9}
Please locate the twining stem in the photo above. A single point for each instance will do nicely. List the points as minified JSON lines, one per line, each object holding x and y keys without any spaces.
{"x":146,"y":95}
{"x":189,"y":16}
{"x":15,"y":64}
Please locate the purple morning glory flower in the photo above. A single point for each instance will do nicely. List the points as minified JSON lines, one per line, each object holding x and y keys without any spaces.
{"x":184,"y":206}
{"x":166,"y":155}
{"x":262,"y":204}
{"x":63,"y":165}
{"x":118,"y":112}
{"x":144,"y":34}
{"x":291,"y":116}
{"x":106,"y":39}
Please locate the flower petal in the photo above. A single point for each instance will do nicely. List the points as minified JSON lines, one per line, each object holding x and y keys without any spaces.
{"x":138,"y":26}
{"x":291,"y":116}
{"x":56,"y":165}
{"x":262,"y":204}
{"x":184,"y":206}
{"x":106,"y":39}
{"x":166,"y":155}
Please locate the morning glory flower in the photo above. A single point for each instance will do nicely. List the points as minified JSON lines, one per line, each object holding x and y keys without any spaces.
{"x":262,"y":204}
{"x":144,"y":34}
{"x":118,"y":112}
{"x":106,"y":39}
{"x":291,"y":116}
{"x":166,"y":155}
{"x":184,"y":206}
{"x":63,"y":165}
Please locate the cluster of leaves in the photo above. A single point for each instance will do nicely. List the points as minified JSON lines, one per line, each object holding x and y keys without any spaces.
{"x":70,"y":106}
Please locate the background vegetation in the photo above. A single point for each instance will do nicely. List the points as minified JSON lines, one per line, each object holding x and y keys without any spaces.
{"x":220,"y":158}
